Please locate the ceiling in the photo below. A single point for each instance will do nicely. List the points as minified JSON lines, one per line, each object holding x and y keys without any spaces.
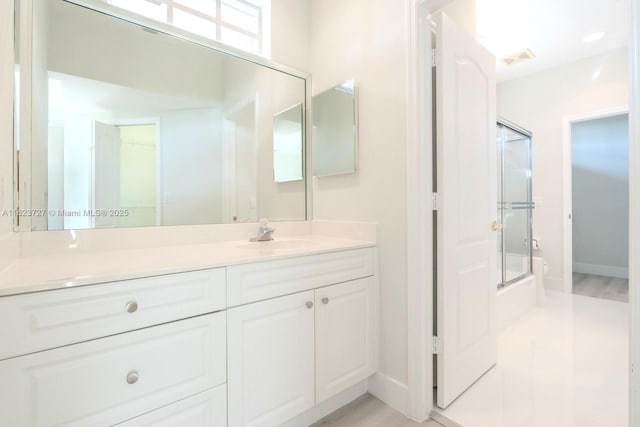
{"x":552,"y":29}
{"x":76,"y":95}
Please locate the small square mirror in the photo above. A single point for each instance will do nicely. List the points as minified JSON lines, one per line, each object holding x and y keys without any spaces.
{"x":335,"y":130}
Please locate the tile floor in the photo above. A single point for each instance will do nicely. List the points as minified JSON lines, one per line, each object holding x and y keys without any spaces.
{"x":605,"y":287}
{"x":563,"y":364}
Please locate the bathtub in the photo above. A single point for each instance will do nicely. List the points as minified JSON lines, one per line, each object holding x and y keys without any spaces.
{"x":518,"y":298}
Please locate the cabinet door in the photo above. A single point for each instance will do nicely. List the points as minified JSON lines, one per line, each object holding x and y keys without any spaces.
{"x":270,"y":360}
{"x":346,"y":335}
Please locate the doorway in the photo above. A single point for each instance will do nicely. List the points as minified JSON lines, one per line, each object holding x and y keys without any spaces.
{"x":126,"y":178}
{"x":599,"y":199}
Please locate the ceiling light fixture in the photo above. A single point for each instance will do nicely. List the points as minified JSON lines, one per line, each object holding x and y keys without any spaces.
{"x":593,"y":36}
{"x":517,"y":57}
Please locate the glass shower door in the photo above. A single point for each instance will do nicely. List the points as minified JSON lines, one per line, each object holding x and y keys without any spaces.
{"x":515,"y":205}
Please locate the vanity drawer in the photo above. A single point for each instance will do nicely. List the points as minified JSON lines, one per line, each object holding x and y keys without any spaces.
{"x":44,"y":320}
{"x":111,"y":380}
{"x":207,"y":409}
{"x":262,"y":280}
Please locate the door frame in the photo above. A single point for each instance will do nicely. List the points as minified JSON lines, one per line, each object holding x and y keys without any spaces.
{"x":419,"y":179}
{"x":634,"y":213}
{"x":567,"y":192}
{"x":134,"y":122}
{"x":419,"y":397}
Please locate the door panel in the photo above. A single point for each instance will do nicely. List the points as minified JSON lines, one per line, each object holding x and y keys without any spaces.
{"x":466,"y":177}
{"x":345,"y":336}
{"x":270,"y":360}
{"x":106,"y":172}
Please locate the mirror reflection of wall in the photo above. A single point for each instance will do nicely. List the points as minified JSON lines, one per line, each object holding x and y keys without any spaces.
{"x":287,"y":145}
{"x":152,"y":129}
{"x":335,"y":130}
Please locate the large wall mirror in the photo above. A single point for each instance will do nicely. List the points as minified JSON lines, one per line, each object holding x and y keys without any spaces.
{"x":120,"y":125}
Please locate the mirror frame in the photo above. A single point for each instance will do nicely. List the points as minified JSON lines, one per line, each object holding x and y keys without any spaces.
{"x":22,"y":159}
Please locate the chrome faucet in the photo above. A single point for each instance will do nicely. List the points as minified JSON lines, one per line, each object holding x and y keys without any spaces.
{"x":264,"y":232}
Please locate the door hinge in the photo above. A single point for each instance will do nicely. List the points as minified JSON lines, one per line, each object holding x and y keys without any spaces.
{"x":434,"y":62}
{"x":435,"y":201}
{"x":435,"y":345}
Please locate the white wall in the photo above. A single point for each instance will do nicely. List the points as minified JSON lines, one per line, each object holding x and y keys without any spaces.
{"x":600,"y":190}
{"x":365,"y":40}
{"x":539,"y":103}
{"x":191,"y":167}
{"x":290,"y":33}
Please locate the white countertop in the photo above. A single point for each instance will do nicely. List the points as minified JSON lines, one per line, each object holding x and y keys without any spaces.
{"x":41,"y":273}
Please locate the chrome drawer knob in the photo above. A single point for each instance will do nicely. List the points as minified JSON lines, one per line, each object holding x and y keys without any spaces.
{"x":309,"y":304}
{"x":325,"y":300}
{"x":133,"y":377}
{"x":132,"y":307}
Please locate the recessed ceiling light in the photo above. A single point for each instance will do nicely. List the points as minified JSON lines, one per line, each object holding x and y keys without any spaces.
{"x":593,"y":36}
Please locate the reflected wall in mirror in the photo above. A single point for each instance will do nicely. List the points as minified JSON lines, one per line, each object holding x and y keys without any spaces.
{"x":335,"y":130}
{"x":121,"y":126}
{"x":287,"y":145}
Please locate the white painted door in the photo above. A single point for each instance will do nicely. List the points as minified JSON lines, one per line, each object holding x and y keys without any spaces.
{"x":106,"y":173}
{"x":346,"y":350}
{"x":466,"y":181}
{"x":270,"y":360}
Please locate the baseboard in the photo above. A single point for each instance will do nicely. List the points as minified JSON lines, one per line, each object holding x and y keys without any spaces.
{"x":390,"y":391}
{"x":601,"y":270}
{"x":441,"y":419}
{"x":554,"y":284}
{"x":323,"y":409}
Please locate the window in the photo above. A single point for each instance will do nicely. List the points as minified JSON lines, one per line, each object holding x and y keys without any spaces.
{"x":239,"y":23}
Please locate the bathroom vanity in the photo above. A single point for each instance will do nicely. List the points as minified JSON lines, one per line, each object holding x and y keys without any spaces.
{"x":142,"y":333}
{"x":239,"y":334}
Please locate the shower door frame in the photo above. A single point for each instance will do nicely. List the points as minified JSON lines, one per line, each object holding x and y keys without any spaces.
{"x":529,"y":205}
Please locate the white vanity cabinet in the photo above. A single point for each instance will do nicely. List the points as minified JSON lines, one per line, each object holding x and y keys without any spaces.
{"x":251,"y":344}
{"x":103,"y":354}
{"x":288,"y":353}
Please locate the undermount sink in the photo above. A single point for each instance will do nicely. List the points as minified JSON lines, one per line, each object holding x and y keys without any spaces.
{"x":280,"y":244}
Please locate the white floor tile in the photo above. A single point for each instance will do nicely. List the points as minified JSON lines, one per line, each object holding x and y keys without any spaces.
{"x":563,"y":364}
